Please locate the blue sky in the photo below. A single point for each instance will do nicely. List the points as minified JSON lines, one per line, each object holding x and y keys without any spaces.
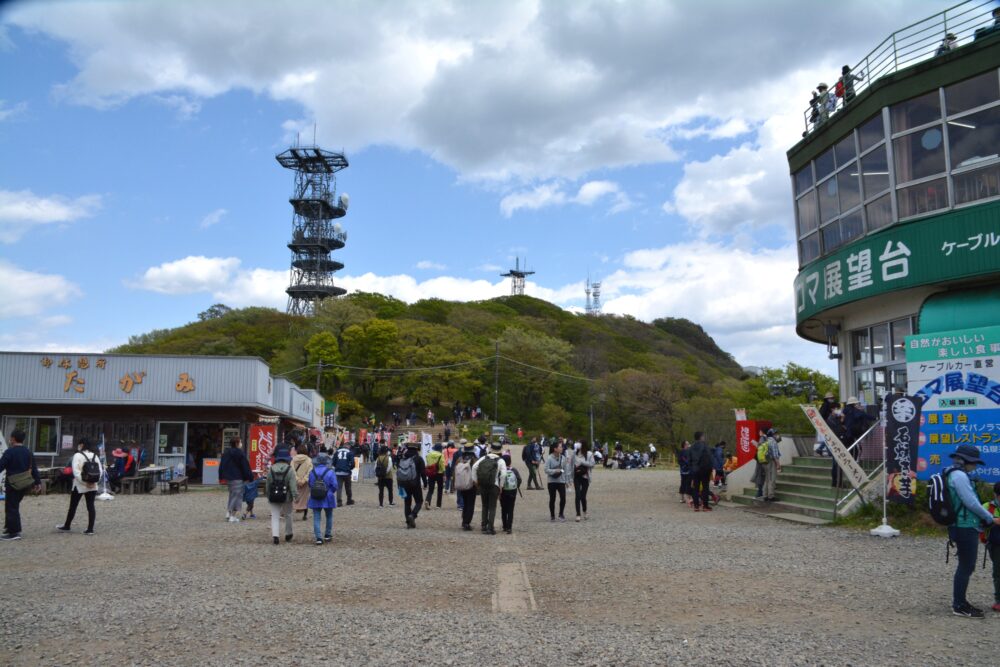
{"x":138,"y":183}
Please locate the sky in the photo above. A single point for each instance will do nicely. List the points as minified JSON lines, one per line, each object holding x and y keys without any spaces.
{"x":640,"y":144}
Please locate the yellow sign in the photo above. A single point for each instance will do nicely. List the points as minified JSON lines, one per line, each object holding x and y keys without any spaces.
{"x":185,"y":384}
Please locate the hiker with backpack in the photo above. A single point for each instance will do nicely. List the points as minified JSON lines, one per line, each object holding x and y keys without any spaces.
{"x":383,"y":475}
{"x":510,"y":487}
{"x":700,"y":460}
{"x":234,"y":468}
{"x":490,"y":471}
{"x":465,"y":483}
{"x":953,"y":502}
{"x":769,"y":457}
{"x":558,"y":469}
{"x":684,"y":467}
{"x":280,"y":489}
{"x":343,"y":462}
{"x":322,"y":495}
{"x":583,"y":464}
{"x":434,"y":465}
{"x":449,"y":467}
{"x":302,"y":465}
{"x":410,"y":474}
{"x":87,"y":472}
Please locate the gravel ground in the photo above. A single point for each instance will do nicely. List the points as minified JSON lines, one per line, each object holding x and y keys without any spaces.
{"x":644,"y":581}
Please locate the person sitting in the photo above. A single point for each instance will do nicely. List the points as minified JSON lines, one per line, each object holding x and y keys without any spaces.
{"x":947,"y":44}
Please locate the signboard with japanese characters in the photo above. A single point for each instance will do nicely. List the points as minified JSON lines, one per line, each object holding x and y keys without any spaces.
{"x":958,"y":244}
{"x":955,"y":375}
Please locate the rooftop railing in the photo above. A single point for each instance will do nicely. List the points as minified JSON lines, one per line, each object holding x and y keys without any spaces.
{"x":920,"y":41}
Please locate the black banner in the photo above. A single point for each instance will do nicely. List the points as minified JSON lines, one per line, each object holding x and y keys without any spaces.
{"x":902,"y":433}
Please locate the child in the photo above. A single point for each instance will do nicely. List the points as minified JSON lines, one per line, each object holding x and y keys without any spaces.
{"x":250,"y":495}
{"x":510,"y":487}
{"x":684,"y":464}
{"x":992,"y":540}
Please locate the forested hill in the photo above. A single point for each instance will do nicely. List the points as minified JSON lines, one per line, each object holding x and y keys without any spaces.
{"x":643,"y":377}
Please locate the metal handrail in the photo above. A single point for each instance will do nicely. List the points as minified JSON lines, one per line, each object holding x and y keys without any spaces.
{"x":870,"y":476}
{"x":908,"y":46}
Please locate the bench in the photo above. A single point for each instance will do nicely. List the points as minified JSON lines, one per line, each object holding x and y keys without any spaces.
{"x":129,"y":484}
{"x":174,"y":485}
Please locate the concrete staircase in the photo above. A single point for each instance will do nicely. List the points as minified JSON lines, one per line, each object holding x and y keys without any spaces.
{"x":802,"y":488}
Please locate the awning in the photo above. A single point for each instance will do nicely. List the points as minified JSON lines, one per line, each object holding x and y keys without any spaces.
{"x":960,"y":309}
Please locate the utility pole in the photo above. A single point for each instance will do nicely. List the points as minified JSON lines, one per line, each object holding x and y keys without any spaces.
{"x":319,"y":368}
{"x":496,"y":385}
{"x":591,"y":426}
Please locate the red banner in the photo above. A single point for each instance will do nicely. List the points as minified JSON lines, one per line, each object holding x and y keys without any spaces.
{"x":263,"y":438}
{"x":747,"y":433}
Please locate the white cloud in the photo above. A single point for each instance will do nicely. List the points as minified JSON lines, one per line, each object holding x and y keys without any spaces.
{"x":426,"y":264}
{"x":189,"y":275}
{"x":25,"y":293}
{"x":489,"y":268}
{"x":21,"y":210}
{"x":186,"y":107}
{"x":213,"y":218}
{"x":552,"y":194}
{"x":548,"y":194}
{"x":11,"y":111}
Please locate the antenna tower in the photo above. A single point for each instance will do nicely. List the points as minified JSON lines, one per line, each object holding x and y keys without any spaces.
{"x":593,"y":297}
{"x":517,"y":275}
{"x":314,"y":234}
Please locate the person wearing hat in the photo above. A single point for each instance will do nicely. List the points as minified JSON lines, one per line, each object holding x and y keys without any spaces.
{"x":465,"y":483}
{"x":970,"y":516}
{"x":947,"y":45}
{"x":826,"y":101}
{"x":490,"y":471}
{"x":281,"y":488}
{"x":410,"y":476}
{"x":81,"y":488}
{"x":772,"y":466}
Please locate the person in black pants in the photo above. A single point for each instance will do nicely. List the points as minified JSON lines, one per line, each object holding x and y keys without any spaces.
{"x":700,"y":458}
{"x":414,"y":488}
{"x":88,"y":490}
{"x":557,"y":468}
{"x":508,"y":497}
{"x":465,"y":478}
{"x":16,"y":460}
{"x":581,"y":478}
{"x":384,"y":460}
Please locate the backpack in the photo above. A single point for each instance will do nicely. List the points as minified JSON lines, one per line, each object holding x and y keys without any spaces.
{"x":318,"y":489}
{"x":91,"y":471}
{"x":278,"y":493}
{"x":763,"y":453}
{"x":486,"y":473}
{"x":406,"y":472}
{"x":939,"y":498}
{"x":839,"y":88}
{"x":463,"y":475}
{"x":381,"y":469}
{"x":509,"y":481}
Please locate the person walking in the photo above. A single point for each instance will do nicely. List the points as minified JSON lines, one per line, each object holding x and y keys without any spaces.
{"x":281,"y":489}
{"x":532,"y":455}
{"x":343,"y":463}
{"x":558,"y":469}
{"x":772,"y":465}
{"x":970,"y":517}
{"x":993,"y":544}
{"x":434,"y":465}
{"x":87,"y":472}
{"x":465,"y":484}
{"x":410,"y":474}
{"x":22,"y":474}
{"x":509,"y":489}
{"x":383,"y":475}
{"x":302,"y":466}
{"x":489,"y":472}
{"x":684,"y":468}
{"x":322,"y":495}
{"x":583,"y":465}
{"x":449,"y":467}
{"x":700,"y":460}
{"x":235,"y":469}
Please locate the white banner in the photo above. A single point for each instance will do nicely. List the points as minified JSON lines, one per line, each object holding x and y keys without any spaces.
{"x":854,"y":473}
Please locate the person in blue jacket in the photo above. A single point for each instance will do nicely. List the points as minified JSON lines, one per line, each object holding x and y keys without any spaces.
{"x":343,"y":462}
{"x":16,"y":459}
{"x":323,"y":469}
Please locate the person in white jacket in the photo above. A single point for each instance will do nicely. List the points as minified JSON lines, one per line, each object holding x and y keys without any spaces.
{"x":84,"y":455}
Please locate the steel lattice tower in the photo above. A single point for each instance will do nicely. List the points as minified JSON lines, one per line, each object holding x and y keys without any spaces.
{"x":314,"y":234}
{"x":517,"y":275}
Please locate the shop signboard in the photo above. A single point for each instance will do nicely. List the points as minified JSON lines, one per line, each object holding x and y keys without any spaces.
{"x":955,"y":377}
{"x":262,"y":442}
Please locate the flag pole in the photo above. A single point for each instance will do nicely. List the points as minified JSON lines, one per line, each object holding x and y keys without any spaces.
{"x":885,"y":530}
{"x":104,"y":494}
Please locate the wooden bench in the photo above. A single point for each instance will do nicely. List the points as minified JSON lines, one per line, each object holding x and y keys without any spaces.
{"x":174,"y":485}
{"x":129,"y":484}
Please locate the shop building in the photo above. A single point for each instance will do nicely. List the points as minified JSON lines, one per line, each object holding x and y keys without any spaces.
{"x":176,"y":410}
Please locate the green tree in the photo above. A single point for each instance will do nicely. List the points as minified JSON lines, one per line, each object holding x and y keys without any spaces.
{"x":214,"y":312}
{"x":321,"y":349}
{"x":374,"y":344}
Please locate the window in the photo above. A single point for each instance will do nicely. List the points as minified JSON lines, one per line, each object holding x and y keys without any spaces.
{"x":916,"y":112}
{"x":809,"y":248}
{"x":41,"y":433}
{"x":861,"y":348}
{"x":875,"y":170}
{"x":977,"y":184}
{"x":880,"y":343}
{"x":844,"y":150}
{"x":850,"y":189}
{"x":803,"y":179}
{"x":972,"y":93}
{"x":900,"y":329}
{"x":808,"y":218}
{"x":919,"y":155}
{"x":831,"y":237}
{"x":879,"y":213}
{"x":825,"y":165}
{"x":974,"y":138}
{"x":851,"y":227}
{"x":829,"y":203}
{"x":922,"y":198}
{"x":871,"y":133}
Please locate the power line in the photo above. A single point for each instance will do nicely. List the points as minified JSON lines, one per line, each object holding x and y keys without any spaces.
{"x":547,"y":371}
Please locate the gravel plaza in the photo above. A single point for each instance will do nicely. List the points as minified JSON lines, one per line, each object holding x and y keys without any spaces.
{"x":645,"y":581}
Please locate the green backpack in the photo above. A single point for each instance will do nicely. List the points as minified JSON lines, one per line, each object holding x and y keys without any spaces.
{"x":486,"y":473}
{"x":762,"y":452}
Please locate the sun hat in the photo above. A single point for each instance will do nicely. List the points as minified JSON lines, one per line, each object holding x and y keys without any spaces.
{"x":967,"y":453}
{"x":852,"y":400}
{"x":496,"y":445}
{"x":829,"y":394}
{"x":119,"y":453}
{"x":822,"y":86}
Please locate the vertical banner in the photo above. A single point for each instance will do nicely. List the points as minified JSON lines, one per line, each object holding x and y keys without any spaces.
{"x":262,"y":442}
{"x":902,"y":433}
{"x":852,"y":472}
{"x":954,"y":377}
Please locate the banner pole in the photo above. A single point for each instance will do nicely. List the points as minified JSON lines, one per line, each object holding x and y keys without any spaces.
{"x":885,"y":530}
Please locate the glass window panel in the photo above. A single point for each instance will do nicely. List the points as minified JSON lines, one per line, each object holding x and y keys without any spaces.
{"x":875,"y":167}
{"x":916,"y":112}
{"x":972,"y":93}
{"x":803,"y":179}
{"x":977,"y":184}
{"x":974,"y":138}
{"x":831,"y":237}
{"x":849,"y":187}
{"x":922,"y":198}
{"x":829,"y":203}
{"x":871,"y":133}
{"x":879,"y":213}
{"x":824,"y":165}
{"x":919,"y":155}
{"x":880,"y":343}
{"x":46,"y":435}
{"x":900,"y":329}
{"x":844,"y":150}
{"x":809,"y":248}
{"x":860,"y":348}
{"x":898,"y":378}
{"x":808,"y":217}
{"x":851,"y":227}
{"x":863,"y":387}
